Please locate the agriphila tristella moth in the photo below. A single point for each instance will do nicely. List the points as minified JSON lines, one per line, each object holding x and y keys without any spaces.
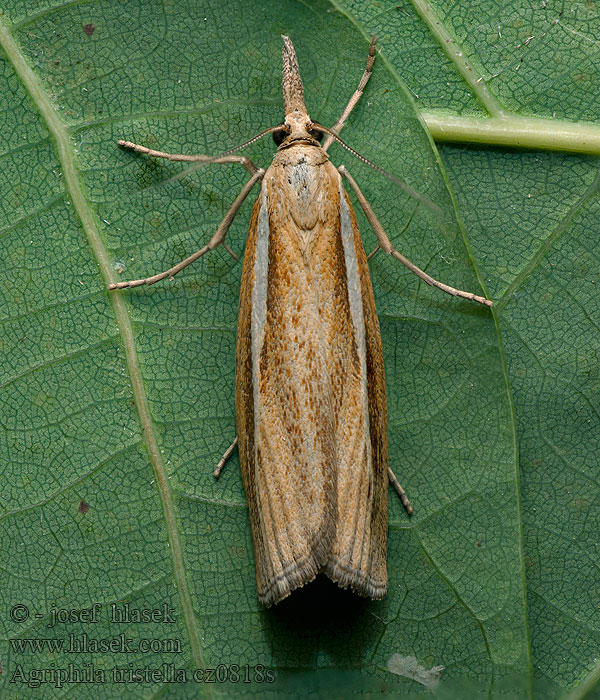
{"x":310,"y":391}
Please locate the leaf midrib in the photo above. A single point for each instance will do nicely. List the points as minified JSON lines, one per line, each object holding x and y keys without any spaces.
{"x":60,"y":134}
{"x":499,"y":114}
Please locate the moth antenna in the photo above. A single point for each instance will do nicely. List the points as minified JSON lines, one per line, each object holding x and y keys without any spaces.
{"x":407,"y":188}
{"x":270,"y":130}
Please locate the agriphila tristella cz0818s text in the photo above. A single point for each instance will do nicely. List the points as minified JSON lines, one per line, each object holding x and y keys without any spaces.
{"x":310,"y":391}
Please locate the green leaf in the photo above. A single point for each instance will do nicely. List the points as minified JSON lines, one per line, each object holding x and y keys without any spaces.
{"x":115,"y":408}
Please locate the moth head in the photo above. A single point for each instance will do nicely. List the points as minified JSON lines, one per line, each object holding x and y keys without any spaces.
{"x":310,"y":135}
{"x":297,"y":124}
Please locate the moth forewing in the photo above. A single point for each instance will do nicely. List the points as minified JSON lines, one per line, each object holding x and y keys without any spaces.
{"x":362,"y":493}
{"x":313,"y":460}
{"x":310,"y":383}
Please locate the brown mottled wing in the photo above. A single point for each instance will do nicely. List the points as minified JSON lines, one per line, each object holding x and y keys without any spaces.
{"x":358,"y":557}
{"x":303,"y":411}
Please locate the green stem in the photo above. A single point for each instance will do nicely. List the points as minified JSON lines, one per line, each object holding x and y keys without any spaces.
{"x":516,"y":131}
{"x":589,"y":683}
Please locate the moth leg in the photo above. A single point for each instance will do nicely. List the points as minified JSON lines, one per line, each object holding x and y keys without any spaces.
{"x":386,"y":245}
{"x":243,"y":160}
{"x":225,"y":457}
{"x":214,"y":242}
{"x":338,"y":126}
{"x":406,"y":225}
{"x":372,"y":253}
{"x":401,"y":492}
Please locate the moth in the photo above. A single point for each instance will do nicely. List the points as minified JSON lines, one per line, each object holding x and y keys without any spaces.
{"x":310,"y":390}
